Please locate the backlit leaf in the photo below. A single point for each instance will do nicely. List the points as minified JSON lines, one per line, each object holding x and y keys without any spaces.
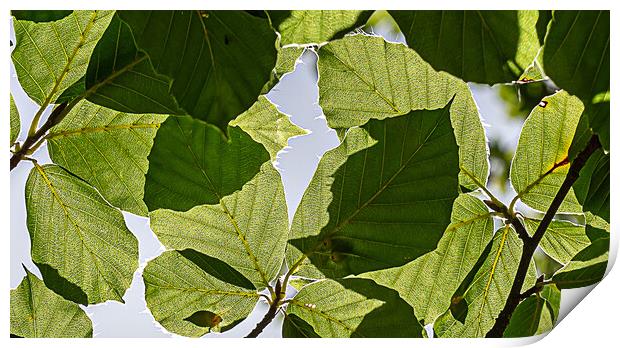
{"x":37,"y":311}
{"x":365,"y":77}
{"x":316,"y":26}
{"x":562,"y":239}
{"x":15,"y":121}
{"x":74,"y":231}
{"x":586,"y":268}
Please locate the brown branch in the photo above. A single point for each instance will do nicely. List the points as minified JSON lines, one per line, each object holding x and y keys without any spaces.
{"x":530,"y":244}
{"x":271,"y":313}
{"x":55,"y":117}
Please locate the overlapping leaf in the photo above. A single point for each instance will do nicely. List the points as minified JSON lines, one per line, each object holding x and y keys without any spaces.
{"x":316,"y":26}
{"x":268,"y":126}
{"x":122,"y":78}
{"x":428,"y":283}
{"x":50,"y":57}
{"x":351,"y":308}
{"x":370,"y":207}
{"x":192,"y":163}
{"x":218,"y":60}
{"x":586,"y":268}
{"x":536,"y":314}
{"x":364,"y":77}
{"x":40,"y":15}
{"x":479,"y":300}
{"x":178,"y":288}
{"x":541,"y":160}
{"x":15,"y":121}
{"x":592,"y":186}
{"x":562,"y":239}
{"x":484,"y":46}
{"x":108,"y":149}
{"x":247,"y":229}
{"x":74,"y":231}
{"x":38,"y":312}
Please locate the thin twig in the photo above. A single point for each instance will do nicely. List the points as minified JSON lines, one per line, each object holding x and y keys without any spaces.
{"x":271,"y":313}
{"x":55,"y":117}
{"x":530,"y":245}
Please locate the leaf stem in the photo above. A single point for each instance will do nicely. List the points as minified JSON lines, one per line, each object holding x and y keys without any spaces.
{"x":481,"y":186}
{"x":530,"y":244}
{"x":33,"y":141}
{"x":271,"y":312}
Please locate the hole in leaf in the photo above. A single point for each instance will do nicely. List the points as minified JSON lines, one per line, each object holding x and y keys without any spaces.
{"x":543,"y":103}
{"x":204,"y":319}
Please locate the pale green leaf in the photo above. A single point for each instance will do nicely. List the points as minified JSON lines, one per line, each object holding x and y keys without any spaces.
{"x":316,"y":26}
{"x":428,"y":282}
{"x":37,"y":311}
{"x":486,"y":295}
{"x":477,"y":46}
{"x":74,"y":231}
{"x":562,"y":239}
{"x":193,"y":163}
{"x":586,"y":268}
{"x":287,"y":58}
{"x":541,"y":160}
{"x":247,"y":230}
{"x":268,"y":126}
{"x":15,"y":121}
{"x":364,"y":77}
{"x":108,"y":149}
{"x":370,"y":208}
{"x":353,"y":308}
{"x":218,"y":60}
{"x":50,"y":57}
{"x":177,"y":288}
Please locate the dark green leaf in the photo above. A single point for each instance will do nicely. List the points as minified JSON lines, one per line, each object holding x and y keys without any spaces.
{"x":372,"y":207}
{"x":15,"y":121}
{"x":295,"y":327}
{"x":40,"y":15}
{"x":476,"y":46}
{"x":192,"y":163}
{"x":586,"y":268}
{"x":592,"y":187}
{"x":218,"y":60}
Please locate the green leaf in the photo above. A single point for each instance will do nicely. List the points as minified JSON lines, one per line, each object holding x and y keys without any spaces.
{"x":486,"y":295}
{"x":74,"y":231}
{"x":428,"y":282}
{"x":179,"y":292}
{"x":592,"y":186}
{"x":268,"y":126}
{"x":40,"y":15}
{"x":108,"y":149}
{"x":576,"y":57}
{"x":38,"y":312}
{"x":535,"y":315}
{"x":370,"y":208}
{"x":192,"y":163}
{"x":586,"y":268}
{"x":477,"y":46}
{"x":218,"y":60}
{"x":247,"y":230}
{"x":50,"y":57}
{"x":364,"y":77}
{"x":544,"y":17}
{"x":122,"y":78}
{"x":562,"y":239}
{"x":295,"y":327}
{"x":353,"y":307}
{"x":15,"y":121}
{"x":576,"y":52}
{"x":541,"y":161}
{"x":287,"y":58}
{"x":316,"y":27}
